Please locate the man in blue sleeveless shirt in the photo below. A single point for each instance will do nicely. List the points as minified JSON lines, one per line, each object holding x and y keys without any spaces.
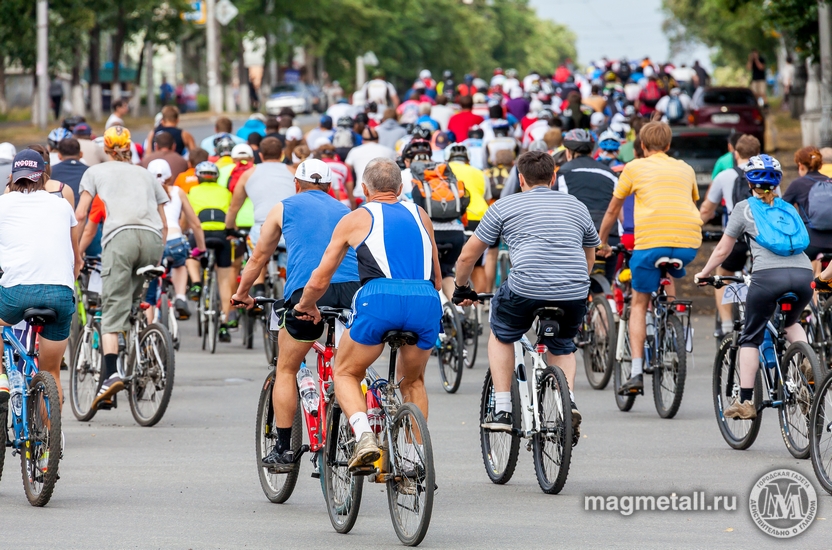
{"x":307,"y":220}
{"x":400,"y":276}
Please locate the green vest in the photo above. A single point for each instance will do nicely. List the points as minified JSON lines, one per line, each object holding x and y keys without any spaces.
{"x":210,"y":202}
{"x":245,"y":217}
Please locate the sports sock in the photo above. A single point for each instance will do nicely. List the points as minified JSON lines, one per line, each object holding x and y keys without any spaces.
{"x":181,"y":297}
{"x":638,"y":366}
{"x":284,"y":438}
{"x":110,"y":364}
{"x":502,"y":401}
{"x":360,"y":424}
{"x":746,"y":394}
{"x":727,"y":327}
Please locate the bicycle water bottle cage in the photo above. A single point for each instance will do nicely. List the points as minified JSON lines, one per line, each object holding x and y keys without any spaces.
{"x":398,"y":338}
{"x":786,"y":300}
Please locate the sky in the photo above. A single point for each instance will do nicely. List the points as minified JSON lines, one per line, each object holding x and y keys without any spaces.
{"x":616,"y":28}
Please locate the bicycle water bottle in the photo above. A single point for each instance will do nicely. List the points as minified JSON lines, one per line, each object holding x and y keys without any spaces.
{"x":16,"y":382}
{"x":767,"y":351}
{"x":374,"y":410}
{"x":308,"y":391}
{"x":650,"y":324}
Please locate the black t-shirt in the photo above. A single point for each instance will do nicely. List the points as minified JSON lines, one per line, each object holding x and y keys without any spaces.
{"x":758,"y":74}
{"x":592,"y":183}
{"x":70,"y":172}
{"x":798,"y":193}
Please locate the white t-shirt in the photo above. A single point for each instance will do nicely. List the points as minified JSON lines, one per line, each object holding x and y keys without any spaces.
{"x":340,"y":110}
{"x":442,"y":114}
{"x":359,"y":157}
{"x":114,"y":120}
{"x":47,"y":260}
{"x":379,"y":92}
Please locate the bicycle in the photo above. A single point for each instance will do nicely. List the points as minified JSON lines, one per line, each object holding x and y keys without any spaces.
{"x":817,"y":322}
{"x":820,"y":433}
{"x":450,"y":346}
{"x":33,"y":429}
{"x":167,"y":297}
{"x":782,"y":380}
{"x":406,"y":464}
{"x":542,"y":413}
{"x":471,"y":332}
{"x":87,"y":356}
{"x":275,"y":279}
{"x":209,"y":309}
{"x":503,"y":264}
{"x":597,"y":334}
{"x":665,"y":347}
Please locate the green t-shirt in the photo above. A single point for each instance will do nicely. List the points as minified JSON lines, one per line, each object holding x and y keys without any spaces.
{"x":626,"y":153}
{"x":724,"y":162}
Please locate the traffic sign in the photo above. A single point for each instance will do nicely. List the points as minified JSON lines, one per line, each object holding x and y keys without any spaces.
{"x":197,"y":15}
{"x":225,"y":12}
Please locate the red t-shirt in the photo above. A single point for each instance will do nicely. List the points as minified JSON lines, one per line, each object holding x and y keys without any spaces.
{"x":461,"y":122}
{"x":98,"y":212}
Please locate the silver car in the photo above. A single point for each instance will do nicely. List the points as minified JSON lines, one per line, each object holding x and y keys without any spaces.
{"x":294,"y":96}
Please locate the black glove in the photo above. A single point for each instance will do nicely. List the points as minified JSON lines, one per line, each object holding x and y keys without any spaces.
{"x":462,"y":293}
{"x":819,"y":284}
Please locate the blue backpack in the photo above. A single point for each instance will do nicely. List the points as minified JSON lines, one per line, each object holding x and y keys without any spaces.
{"x":779,"y":227}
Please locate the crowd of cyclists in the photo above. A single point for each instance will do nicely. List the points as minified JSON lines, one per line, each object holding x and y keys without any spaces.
{"x":394,"y":199}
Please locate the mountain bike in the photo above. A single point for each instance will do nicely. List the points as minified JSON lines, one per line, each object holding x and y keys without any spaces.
{"x":31,"y":423}
{"x":665,"y":347}
{"x":275,"y":279}
{"x":785,"y":381}
{"x":817,"y":322}
{"x":471,"y":332}
{"x":820,"y":433}
{"x":542,"y":413}
{"x":87,"y":356}
{"x":450,"y":346}
{"x":167,"y":297}
{"x":597,"y":335}
{"x":406,"y":464}
{"x":209,"y":309}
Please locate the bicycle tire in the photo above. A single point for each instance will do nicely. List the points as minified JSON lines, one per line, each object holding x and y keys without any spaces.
{"x":87,"y":371}
{"x":503,"y":269}
{"x":4,"y":431}
{"x":820,"y":434}
{"x":738,"y":434}
{"x":154,"y":384}
{"x":558,"y":431}
{"x":248,"y":328}
{"x":471,"y":334}
{"x":417,"y":468}
{"x":621,"y":373}
{"x":793,"y":414}
{"x":344,"y":500}
{"x":599,"y":351}
{"x":167,"y":318}
{"x":670,"y":374}
{"x":37,"y":483}
{"x":451,"y":354}
{"x":499,"y":449}
{"x":206,"y":307}
{"x":277,"y":487}
{"x":214,"y":321}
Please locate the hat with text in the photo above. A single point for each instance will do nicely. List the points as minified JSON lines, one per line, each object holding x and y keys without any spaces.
{"x":28,"y":164}
{"x":314,"y":171}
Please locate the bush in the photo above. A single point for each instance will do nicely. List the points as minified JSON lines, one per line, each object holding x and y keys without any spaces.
{"x":201,"y":102}
{"x":731,"y":76}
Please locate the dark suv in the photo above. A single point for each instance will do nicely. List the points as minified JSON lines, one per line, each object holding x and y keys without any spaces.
{"x":732,"y":108}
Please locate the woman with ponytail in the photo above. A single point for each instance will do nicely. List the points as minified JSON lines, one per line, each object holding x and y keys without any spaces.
{"x":811,"y":194}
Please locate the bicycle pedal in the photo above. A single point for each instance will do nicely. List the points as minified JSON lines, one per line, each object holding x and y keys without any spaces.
{"x":364,"y":471}
{"x":316,"y":475}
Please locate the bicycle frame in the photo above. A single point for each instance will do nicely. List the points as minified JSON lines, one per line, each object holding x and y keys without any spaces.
{"x":13,"y":351}
{"x":528,"y":393}
{"x":316,"y":425}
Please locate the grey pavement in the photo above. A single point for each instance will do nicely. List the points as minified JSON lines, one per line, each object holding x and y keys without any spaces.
{"x":191,"y":481}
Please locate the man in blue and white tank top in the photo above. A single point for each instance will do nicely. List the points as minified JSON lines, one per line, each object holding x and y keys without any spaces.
{"x":399,"y":270}
{"x":307,"y":220}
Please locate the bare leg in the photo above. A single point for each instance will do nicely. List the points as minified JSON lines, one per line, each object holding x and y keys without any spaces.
{"x":568,"y":365}
{"x":725,"y":310}
{"x":448,"y":287}
{"x":491,"y":268}
{"x":411,"y":366}
{"x":50,"y":354}
{"x":478,"y":278}
{"x":285,"y":392}
{"x":227,"y":281}
{"x":795,"y":333}
{"x":180,"y":280}
{"x":194,"y":270}
{"x":749,"y":363}
{"x":348,"y":372}
{"x":501,"y":361}
{"x":637,"y":323}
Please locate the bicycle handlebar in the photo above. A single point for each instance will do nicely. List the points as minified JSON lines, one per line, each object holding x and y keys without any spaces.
{"x":718,"y":281}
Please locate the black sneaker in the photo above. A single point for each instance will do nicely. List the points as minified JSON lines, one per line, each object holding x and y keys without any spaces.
{"x":183,"y":312}
{"x":194,"y":292}
{"x":109,"y":388}
{"x":576,"y":424}
{"x":223,"y":334}
{"x":498,"y":421}
{"x":279,"y":463}
{"x":634,"y":385}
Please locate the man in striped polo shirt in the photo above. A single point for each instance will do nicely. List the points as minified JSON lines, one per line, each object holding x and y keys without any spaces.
{"x":667,"y":224}
{"x":551,"y":241}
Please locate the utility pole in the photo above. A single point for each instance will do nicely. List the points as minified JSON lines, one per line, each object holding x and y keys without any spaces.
{"x":151,"y":86}
{"x":42,"y":68}
{"x":214,"y":88}
{"x":825,"y":36}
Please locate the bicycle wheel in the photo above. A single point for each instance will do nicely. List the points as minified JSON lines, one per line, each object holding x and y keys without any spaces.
{"x":471,"y":330}
{"x":671,"y":371}
{"x":451,"y":354}
{"x":552,"y":444}
{"x":739,"y":434}
{"x":410,"y":492}
{"x":4,"y":427}
{"x":85,"y":374}
{"x":800,"y":369}
{"x":248,"y":320}
{"x":820,"y":433}
{"x":503,"y":268}
{"x":206,"y":307}
{"x":214,"y":317}
{"x":277,"y":487}
{"x":599,"y":342}
{"x":39,"y":460}
{"x":153,"y":372}
{"x":499,"y":449}
{"x":342,"y":489}
{"x":621,"y":372}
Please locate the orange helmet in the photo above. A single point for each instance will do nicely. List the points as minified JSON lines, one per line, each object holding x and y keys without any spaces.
{"x":117,"y":138}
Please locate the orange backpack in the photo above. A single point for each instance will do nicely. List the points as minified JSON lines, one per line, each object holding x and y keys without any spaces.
{"x":445,"y":197}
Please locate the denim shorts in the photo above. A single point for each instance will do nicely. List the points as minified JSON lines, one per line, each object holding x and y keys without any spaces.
{"x":178,"y":250}
{"x":646,"y":276}
{"x":17,"y":299}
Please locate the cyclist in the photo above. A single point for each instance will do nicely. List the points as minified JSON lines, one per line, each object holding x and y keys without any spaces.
{"x":500,"y":140}
{"x":52,"y":186}
{"x":134,"y":234}
{"x":811,"y":194}
{"x":53,"y":139}
{"x":342,"y":185}
{"x":41,"y":276}
{"x":222,"y":127}
{"x":609,"y":144}
{"x":223,"y":145}
{"x":92,"y":153}
{"x":380,"y":92}
{"x":187,"y":179}
{"x":552,"y":240}
{"x":416,"y":150}
{"x":399,"y":292}
{"x":456,"y":155}
{"x":165,"y":148}
{"x":210,"y":202}
{"x":774,"y":275}
{"x":667,"y":224}
{"x":70,"y":170}
{"x":170,"y":119}
{"x":475,"y":147}
{"x":307,"y":238}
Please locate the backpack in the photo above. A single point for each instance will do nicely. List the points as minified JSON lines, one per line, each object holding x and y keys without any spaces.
{"x":741,"y":191}
{"x":496,"y":178}
{"x":779,"y":227}
{"x":819,"y":209}
{"x":675,"y":110}
{"x":445,"y":198}
{"x":343,"y":138}
{"x":651,"y":94}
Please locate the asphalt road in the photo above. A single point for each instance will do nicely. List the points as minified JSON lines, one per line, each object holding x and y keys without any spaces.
{"x":191,"y":481}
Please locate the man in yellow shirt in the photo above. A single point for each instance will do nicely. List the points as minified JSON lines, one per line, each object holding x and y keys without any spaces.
{"x":457,"y":156}
{"x":667,"y":224}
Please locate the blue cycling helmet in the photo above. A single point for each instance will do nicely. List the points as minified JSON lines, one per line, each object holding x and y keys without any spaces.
{"x":206,"y":171}
{"x":763,"y":172}
{"x":56,"y":135}
{"x":609,"y":141}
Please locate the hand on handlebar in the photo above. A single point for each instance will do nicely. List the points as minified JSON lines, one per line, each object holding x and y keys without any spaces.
{"x":238,"y":300}
{"x":464,"y":295}
{"x":701,"y":279}
{"x":312,"y":315}
{"x":604,"y":250}
{"x":196,"y":253}
{"x":822,"y":286}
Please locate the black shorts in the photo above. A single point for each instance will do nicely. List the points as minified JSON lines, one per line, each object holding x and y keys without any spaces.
{"x":737,"y":258}
{"x":512,"y":317}
{"x":766,"y":287}
{"x":218,"y":242}
{"x":449,"y":245}
{"x":337,"y":295}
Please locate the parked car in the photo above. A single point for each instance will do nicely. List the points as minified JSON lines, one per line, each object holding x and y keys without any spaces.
{"x":732,"y":108}
{"x":295,"y":96}
{"x":700,"y":147}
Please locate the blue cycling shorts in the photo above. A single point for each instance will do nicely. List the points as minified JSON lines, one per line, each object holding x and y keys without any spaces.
{"x":646,"y":275}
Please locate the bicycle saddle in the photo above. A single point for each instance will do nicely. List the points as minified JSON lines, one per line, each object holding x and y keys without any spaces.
{"x":548,"y":313}
{"x":214,"y":243}
{"x":399,"y":338}
{"x":37,"y":316}
{"x":671,"y":263}
{"x":151,"y":271}
{"x":787,"y":298}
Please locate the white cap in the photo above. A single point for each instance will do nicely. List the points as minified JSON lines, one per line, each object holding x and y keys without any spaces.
{"x":242,"y":151}
{"x":294,"y":133}
{"x":478,"y":98}
{"x":424,"y":74}
{"x":315,"y":171}
{"x":7,"y":151}
{"x":597,"y":119}
{"x":159,"y":169}
{"x":515,"y":92}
